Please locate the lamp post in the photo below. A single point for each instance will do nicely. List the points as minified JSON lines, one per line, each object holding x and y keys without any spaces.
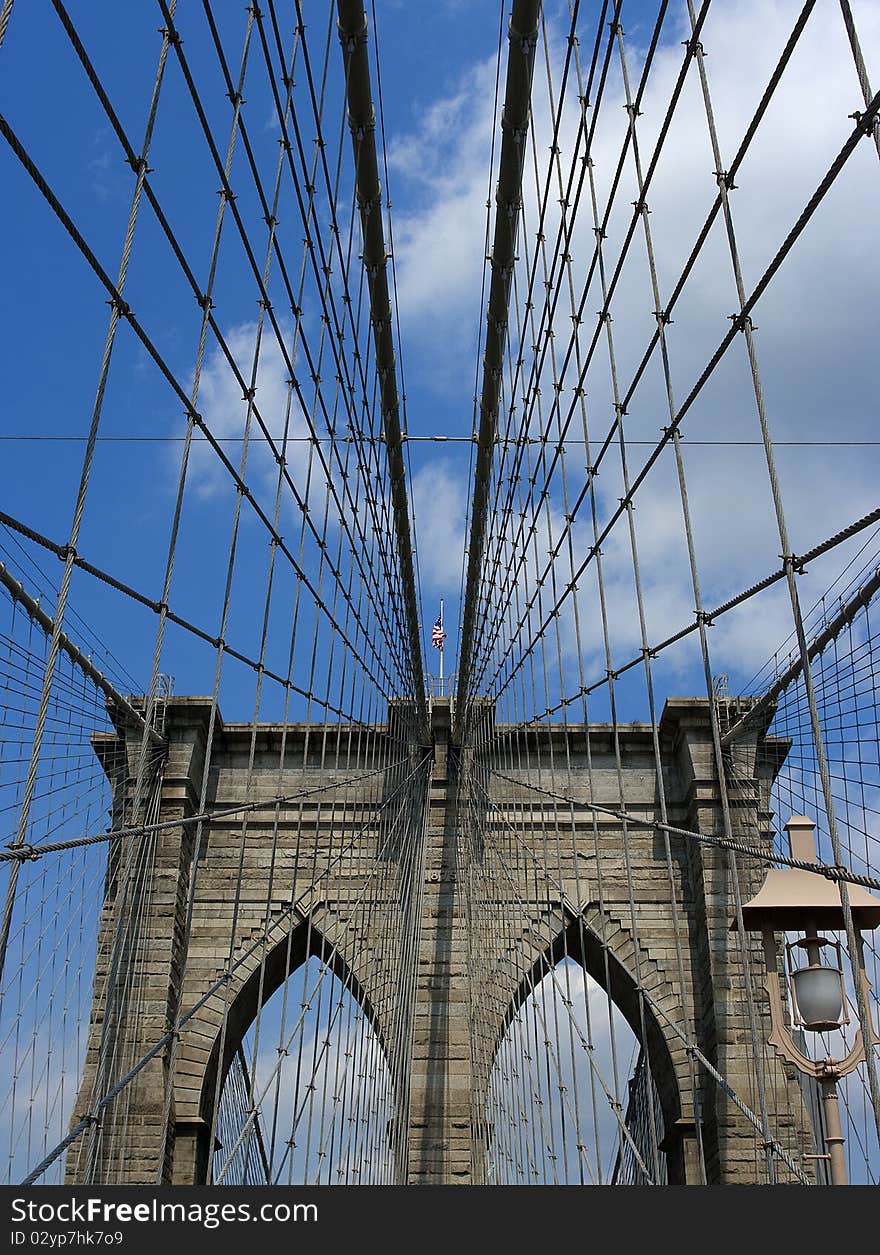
{"x":793,"y":900}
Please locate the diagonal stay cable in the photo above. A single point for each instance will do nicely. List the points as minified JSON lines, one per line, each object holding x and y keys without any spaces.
{"x":124,"y":311}
{"x":319,"y":266}
{"x":230,"y":199}
{"x":576,"y":912}
{"x":29,"y":852}
{"x":654,"y":340}
{"x":862,"y":128}
{"x":203,"y":634}
{"x":227,"y":975}
{"x":770,"y":857}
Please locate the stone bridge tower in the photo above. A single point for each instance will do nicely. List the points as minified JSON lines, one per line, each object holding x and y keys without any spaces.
{"x":265,"y":930}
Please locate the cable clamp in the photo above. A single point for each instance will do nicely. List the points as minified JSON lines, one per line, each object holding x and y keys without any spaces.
{"x":24,"y":853}
{"x":694,"y":46}
{"x":865,"y":122}
{"x":725,"y":180}
{"x":139,"y":165}
{"x":741,"y":322}
{"x":790,"y":561}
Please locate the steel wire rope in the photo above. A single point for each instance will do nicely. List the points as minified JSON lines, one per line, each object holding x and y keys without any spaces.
{"x":613,"y":1102}
{"x":662,"y":1014}
{"x":533,"y":536}
{"x":293,"y":908}
{"x":336,"y":243}
{"x":758,"y":1049}
{"x":203,"y":299}
{"x":157,"y":606}
{"x":865,"y":124}
{"x":558,"y":247}
{"x":82,"y":490}
{"x":250,"y":764}
{"x":325,"y":968}
{"x":324,"y":288}
{"x":472,"y":590}
{"x":641,"y":612}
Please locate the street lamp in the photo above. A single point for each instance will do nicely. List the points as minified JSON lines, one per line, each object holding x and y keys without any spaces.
{"x":793,"y":900}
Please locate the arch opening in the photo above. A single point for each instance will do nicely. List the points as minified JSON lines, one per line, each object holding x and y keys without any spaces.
{"x":582,"y":1088}
{"x":307,"y":1095}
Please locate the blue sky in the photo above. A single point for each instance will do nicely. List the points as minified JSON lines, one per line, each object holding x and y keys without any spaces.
{"x":816,"y":325}
{"x":437,"y":75}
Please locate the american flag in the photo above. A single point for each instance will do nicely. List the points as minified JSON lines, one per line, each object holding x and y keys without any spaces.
{"x":438,"y":636}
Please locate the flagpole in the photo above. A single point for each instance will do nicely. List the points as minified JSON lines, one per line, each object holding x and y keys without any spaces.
{"x":441,"y":648}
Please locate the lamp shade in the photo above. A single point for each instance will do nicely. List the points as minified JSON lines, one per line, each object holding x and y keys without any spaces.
{"x":819,"y":997}
{"x":791,"y":897}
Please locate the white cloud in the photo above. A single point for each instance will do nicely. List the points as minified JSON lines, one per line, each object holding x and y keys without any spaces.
{"x":439,"y":240}
{"x":225,"y":410}
{"x":440,"y":502}
{"x":814,"y":323}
